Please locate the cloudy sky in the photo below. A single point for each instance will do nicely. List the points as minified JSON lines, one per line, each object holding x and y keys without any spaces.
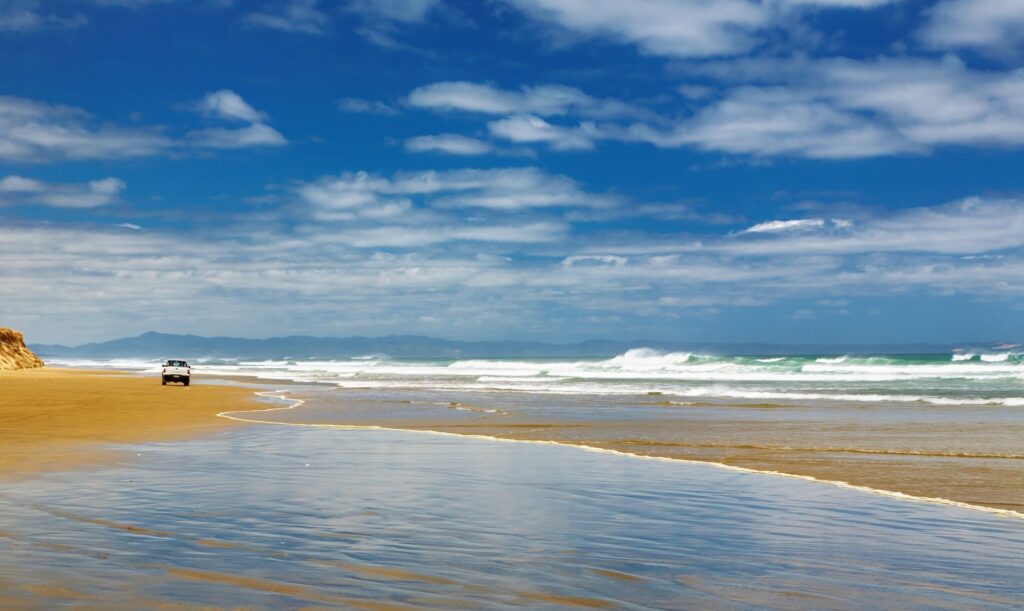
{"x":714,"y":170}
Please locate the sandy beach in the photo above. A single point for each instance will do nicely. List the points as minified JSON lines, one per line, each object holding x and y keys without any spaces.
{"x":61,"y":418}
{"x":373,"y":519}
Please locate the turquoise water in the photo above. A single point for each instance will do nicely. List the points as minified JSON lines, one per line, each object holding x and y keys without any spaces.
{"x":285,"y":517}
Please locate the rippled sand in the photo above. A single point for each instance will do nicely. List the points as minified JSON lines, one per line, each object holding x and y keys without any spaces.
{"x":972,"y":455}
{"x":290,"y":517}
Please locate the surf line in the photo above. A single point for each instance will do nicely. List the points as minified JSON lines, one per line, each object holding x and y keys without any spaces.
{"x":295,"y":402}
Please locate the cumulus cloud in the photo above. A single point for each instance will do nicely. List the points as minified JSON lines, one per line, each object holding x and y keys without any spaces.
{"x":527,"y":129}
{"x":679,"y":28}
{"x":384,"y":272}
{"x":36,"y":131}
{"x":505,"y":189}
{"x":996,"y":25}
{"x":966,"y":227}
{"x":768,"y":121}
{"x":833,"y":108}
{"x":29,"y":191}
{"x":33,"y":131}
{"x":228,"y":105}
{"x":542,"y":100}
{"x":255,"y":135}
{"x":852,"y":108}
{"x":452,"y":144}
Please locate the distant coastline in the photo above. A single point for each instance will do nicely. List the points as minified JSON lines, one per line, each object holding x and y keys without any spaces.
{"x":162,"y":345}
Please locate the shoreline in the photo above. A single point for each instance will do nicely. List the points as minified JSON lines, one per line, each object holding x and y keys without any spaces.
{"x":231,"y":415}
{"x":82,"y":412}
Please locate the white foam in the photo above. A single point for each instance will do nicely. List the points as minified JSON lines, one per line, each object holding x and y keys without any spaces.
{"x":959,"y":381}
{"x":839,"y":359}
{"x":995,"y":358}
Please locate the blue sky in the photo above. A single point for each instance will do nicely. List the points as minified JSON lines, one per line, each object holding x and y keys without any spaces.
{"x":731,"y":170}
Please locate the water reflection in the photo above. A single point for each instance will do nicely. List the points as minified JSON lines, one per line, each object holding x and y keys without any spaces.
{"x":288,"y":516}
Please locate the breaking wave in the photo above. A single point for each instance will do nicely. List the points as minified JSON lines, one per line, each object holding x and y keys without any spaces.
{"x":969,"y":378}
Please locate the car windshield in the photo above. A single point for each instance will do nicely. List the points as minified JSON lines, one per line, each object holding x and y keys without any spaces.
{"x":176,"y":364}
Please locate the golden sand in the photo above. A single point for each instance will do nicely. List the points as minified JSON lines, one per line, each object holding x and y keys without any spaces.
{"x":56,"y":418}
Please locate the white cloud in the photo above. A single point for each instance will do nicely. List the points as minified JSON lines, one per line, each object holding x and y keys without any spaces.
{"x":412,"y":237}
{"x":28,"y":191}
{"x":452,"y":144}
{"x":295,"y":16}
{"x":505,"y":189}
{"x":970,"y":226}
{"x":832,"y":108}
{"x":841,"y":108}
{"x":773,"y":226}
{"x":255,"y":135}
{"x":36,"y":131}
{"x":226,"y":104}
{"x":681,"y":28}
{"x":987,"y":24}
{"x":527,"y":129}
{"x":383,"y":273}
{"x":542,"y":100}
{"x":767,"y":121}
{"x":818,"y":108}
{"x":32,"y":131}
{"x":850,"y":4}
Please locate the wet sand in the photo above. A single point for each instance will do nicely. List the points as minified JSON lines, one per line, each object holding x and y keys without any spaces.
{"x":54,"y":419}
{"x":300,"y":517}
{"x":958,"y":458}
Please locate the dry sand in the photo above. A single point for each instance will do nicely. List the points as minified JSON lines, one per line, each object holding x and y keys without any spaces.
{"x":58,"y":418}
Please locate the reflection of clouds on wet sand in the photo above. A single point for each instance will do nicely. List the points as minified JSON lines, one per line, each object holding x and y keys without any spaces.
{"x":968,"y":455}
{"x":284,"y":516}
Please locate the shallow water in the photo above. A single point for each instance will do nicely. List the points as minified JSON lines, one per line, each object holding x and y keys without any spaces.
{"x":284,"y":516}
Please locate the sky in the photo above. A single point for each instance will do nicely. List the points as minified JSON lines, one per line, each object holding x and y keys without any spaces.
{"x":789,"y":171}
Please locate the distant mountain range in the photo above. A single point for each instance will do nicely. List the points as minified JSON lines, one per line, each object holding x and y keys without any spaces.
{"x":164,"y":345}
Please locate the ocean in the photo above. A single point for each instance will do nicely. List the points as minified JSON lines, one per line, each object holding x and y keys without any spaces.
{"x":963,"y":379}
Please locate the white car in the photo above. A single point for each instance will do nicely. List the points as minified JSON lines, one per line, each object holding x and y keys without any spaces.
{"x":176,"y":370}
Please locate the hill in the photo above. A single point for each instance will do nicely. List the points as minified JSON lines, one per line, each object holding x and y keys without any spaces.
{"x":165,"y":345}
